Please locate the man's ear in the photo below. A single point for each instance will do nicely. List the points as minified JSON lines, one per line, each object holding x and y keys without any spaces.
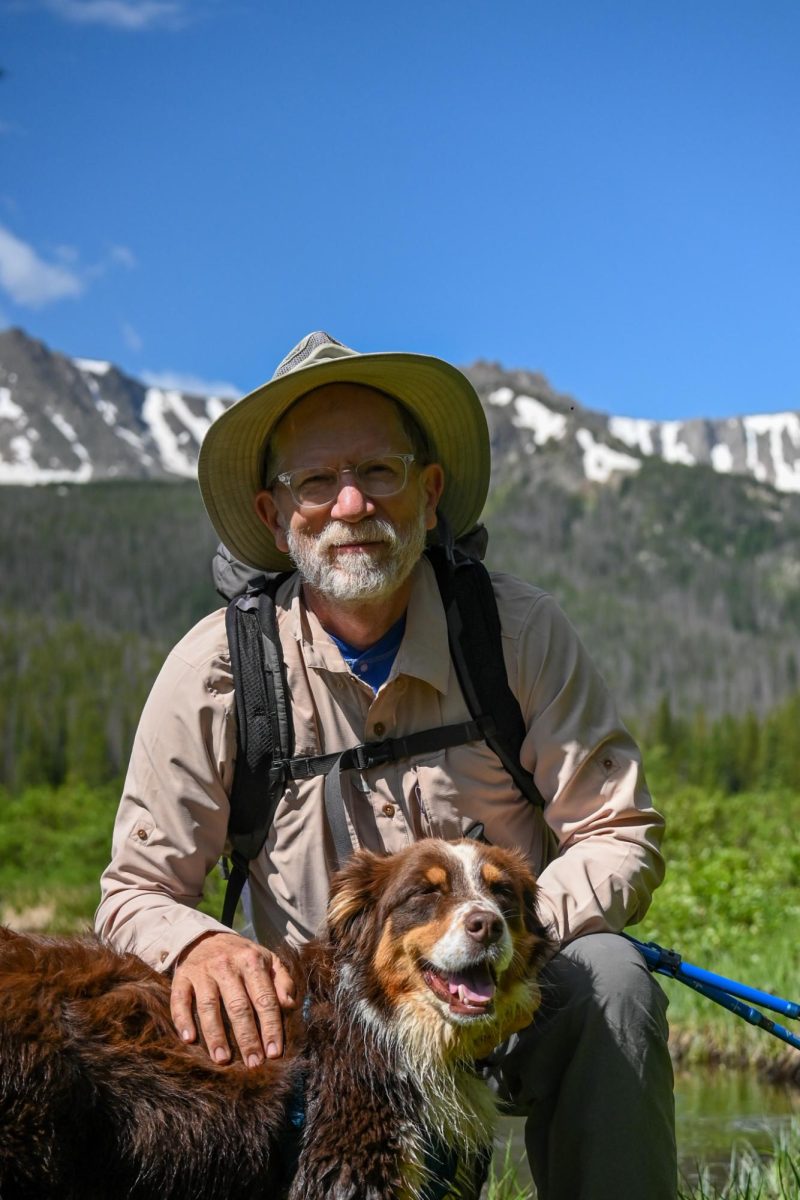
{"x":433,"y":486}
{"x":268,"y":512}
{"x":355,"y":891}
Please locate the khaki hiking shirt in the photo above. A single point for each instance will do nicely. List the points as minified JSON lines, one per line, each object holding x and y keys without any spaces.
{"x":595,"y":849}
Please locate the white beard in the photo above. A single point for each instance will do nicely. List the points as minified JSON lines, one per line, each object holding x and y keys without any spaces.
{"x":358,"y":575}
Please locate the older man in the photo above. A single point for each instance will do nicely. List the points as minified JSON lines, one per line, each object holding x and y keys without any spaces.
{"x":339,"y":466}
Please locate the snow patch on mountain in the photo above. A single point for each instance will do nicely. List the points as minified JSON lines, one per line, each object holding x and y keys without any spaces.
{"x":545,"y":424}
{"x":9,"y":411}
{"x":93,"y":366}
{"x":171,"y":443}
{"x":600,"y":461}
{"x":636,"y":432}
{"x":781,"y":432}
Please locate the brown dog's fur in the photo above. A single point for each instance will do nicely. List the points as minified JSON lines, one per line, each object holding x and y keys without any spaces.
{"x":428,"y":959}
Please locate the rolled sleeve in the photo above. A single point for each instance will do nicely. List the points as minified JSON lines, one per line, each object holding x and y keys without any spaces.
{"x":589,"y":770}
{"x":172,"y":820}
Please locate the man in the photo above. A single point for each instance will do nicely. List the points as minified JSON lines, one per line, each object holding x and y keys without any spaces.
{"x":340,"y":465}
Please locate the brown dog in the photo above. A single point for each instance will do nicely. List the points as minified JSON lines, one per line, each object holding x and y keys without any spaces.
{"x":428,"y":959}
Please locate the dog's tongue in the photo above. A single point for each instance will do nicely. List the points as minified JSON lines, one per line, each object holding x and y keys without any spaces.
{"x":472,"y":987}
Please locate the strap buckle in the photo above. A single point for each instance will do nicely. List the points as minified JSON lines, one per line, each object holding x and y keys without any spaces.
{"x":372,"y":754}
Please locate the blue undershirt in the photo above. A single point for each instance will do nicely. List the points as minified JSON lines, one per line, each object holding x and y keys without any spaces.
{"x":374,"y":664}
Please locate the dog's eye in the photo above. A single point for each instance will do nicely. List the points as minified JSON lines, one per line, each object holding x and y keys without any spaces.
{"x":504,"y":894}
{"x":417,"y":895}
{"x":428,"y":889}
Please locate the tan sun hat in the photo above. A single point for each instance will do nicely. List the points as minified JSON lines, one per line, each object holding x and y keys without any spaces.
{"x":443,"y":401}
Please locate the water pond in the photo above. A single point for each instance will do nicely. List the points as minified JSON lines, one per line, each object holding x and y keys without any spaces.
{"x":714,"y":1110}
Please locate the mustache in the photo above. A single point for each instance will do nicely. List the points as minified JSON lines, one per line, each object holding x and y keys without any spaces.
{"x":340,"y":533}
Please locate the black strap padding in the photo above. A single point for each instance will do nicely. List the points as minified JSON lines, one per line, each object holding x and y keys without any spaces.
{"x":470,"y":605}
{"x":264,"y":730}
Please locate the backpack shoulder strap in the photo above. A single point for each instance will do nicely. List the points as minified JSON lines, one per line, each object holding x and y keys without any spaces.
{"x":264,"y":729}
{"x":475,"y":637}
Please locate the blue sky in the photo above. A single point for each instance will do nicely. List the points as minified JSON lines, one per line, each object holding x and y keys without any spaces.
{"x":607,"y":192}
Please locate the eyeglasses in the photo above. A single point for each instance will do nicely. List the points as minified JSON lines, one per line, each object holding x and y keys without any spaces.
{"x":314,"y":487}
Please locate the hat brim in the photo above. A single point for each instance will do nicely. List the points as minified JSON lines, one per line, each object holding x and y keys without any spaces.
{"x":441,"y":398}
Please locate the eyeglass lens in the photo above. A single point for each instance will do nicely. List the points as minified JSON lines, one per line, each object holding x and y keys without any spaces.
{"x":375,"y":477}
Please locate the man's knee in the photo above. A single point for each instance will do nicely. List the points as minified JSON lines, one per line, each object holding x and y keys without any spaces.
{"x":601,"y":1009}
{"x":606,"y":975}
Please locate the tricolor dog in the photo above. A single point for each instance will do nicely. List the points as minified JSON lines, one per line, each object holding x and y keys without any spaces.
{"x":427,"y":960}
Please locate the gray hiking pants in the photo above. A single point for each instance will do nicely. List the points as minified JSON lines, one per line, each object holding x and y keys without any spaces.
{"x":593,"y":1076}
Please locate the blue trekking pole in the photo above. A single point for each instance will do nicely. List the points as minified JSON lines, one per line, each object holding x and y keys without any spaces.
{"x":738,"y":998}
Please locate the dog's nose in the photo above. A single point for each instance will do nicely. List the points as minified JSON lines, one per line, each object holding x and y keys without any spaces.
{"x":484,"y":926}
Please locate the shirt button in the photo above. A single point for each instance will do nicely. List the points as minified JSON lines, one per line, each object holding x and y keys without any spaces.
{"x":380,"y":729}
{"x":141,"y":835}
{"x":388,"y":810}
{"x":164,"y":955}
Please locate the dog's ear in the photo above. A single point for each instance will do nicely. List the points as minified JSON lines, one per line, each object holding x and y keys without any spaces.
{"x":355,"y":890}
{"x":530,"y":912}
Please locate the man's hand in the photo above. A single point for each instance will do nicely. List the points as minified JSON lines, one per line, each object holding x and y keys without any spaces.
{"x":223,"y":971}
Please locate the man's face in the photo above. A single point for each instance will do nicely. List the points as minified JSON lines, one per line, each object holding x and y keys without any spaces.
{"x":356,"y":547}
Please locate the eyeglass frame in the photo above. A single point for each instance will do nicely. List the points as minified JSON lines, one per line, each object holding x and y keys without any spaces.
{"x":285,"y":478}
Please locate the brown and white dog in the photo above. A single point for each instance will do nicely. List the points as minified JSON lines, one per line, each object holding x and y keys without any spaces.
{"x":428,"y":959}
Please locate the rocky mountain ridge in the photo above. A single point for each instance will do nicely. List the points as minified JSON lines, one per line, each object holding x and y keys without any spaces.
{"x":74,"y":420}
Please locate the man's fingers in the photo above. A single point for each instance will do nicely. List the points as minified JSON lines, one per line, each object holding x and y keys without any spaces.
{"x":210,"y":1017}
{"x":224,"y":976}
{"x":180,"y":1005}
{"x":284,"y":984}
{"x":266,"y":1003}
{"x":239,"y":1005}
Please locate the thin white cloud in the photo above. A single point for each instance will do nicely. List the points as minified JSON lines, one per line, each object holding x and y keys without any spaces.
{"x":32,"y":281}
{"x":180,"y":381}
{"x":123,"y":255}
{"x":129,"y":16}
{"x":115,"y":256}
{"x":67,"y":254}
{"x":132,"y":337}
{"x":28,"y":279}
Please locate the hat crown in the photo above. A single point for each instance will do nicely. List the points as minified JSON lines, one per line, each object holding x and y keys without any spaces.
{"x":313,"y":348}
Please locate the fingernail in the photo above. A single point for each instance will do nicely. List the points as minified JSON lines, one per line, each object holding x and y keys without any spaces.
{"x":272,"y":1050}
{"x":186,"y":1035}
{"x":220,"y":1055}
{"x":254,"y":1060}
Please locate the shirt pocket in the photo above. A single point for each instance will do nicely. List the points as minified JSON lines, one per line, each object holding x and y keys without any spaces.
{"x":439,"y":802}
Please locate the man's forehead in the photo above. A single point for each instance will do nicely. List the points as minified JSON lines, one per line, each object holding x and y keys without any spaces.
{"x":333,"y":408}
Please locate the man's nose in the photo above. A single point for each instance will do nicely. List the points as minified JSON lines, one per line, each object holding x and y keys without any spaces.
{"x":351,"y":504}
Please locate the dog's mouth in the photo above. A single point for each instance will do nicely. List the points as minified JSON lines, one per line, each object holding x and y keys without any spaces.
{"x":468,"y":992}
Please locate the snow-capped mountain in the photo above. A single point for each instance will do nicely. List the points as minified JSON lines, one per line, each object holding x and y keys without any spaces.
{"x":71,"y":420}
{"x":526,"y":415}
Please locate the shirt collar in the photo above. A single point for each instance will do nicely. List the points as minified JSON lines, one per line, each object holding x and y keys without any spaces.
{"x":424,"y":651}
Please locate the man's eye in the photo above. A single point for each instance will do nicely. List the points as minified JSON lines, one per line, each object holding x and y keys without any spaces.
{"x":314,"y":479}
{"x":377,"y":470}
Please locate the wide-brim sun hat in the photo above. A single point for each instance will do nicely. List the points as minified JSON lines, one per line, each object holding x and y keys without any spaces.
{"x":232,"y":457}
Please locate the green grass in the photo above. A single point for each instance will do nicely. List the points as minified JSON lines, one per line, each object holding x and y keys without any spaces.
{"x":730,"y":903}
{"x":753,"y":1177}
{"x":54,"y":845}
{"x":750,"y":1176}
